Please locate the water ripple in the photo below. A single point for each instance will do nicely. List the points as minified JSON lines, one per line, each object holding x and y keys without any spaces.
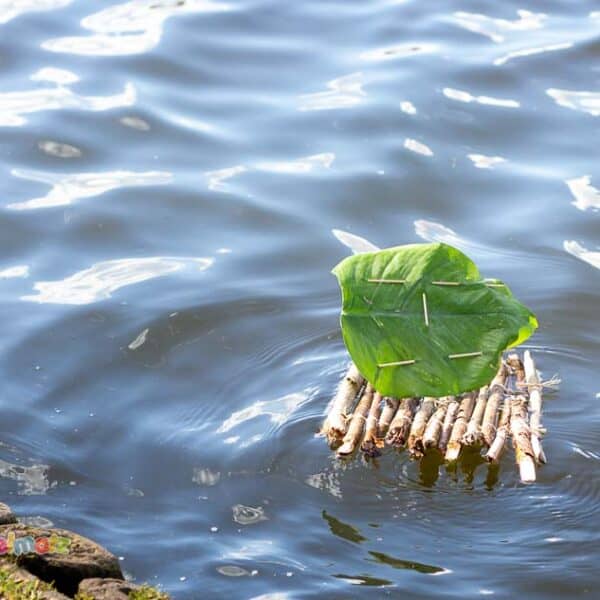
{"x":582,"y":253}
{"x":583,"y":101}
{"x":497,"y":29}
{"x":343,"y":92}
{"x":10,"y":9}
{"x":131,"y":28}
{"x":462,"y":96}
{"x":101,"y":280}
{"x":67,"y":189}
{"x":586,"y":195}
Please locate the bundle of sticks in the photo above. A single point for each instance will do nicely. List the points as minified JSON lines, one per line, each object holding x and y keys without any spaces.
{"x":511,"y":405}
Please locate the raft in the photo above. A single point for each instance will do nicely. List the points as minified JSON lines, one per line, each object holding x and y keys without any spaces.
{"x":360,"y":421}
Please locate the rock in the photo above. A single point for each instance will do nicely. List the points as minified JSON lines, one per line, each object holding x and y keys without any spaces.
{"x":111,"y":589}
{"x":11,"y":576}
{"x":60,"y":556}
{"x":6,"y":515}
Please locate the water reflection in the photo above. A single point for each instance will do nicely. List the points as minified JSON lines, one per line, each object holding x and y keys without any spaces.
{"x":586,"y":195}
{"x":32,"y":480}
{"x":101,"y":280}
{"x":485,"y":162}
{"x":364,"y":580}
{"x":408,"y":108}
{"x":579,"y":251}
{"x":13,"y":105}
{"x":399,"y":51}
{"x":497,"y":29}
{"x":588,"y":102}
{"x":412,"y":565}
{"x":130,"y":28}
{"x":344,"y":92}
{"x":436,"y":232}
{"x":13,"y":272}
{"x":462,"y":96}
{"x":59,"y":149}
{"x":357,"y":244}
{"x":67,"y":189}
{"x":10,"y":9}
{"x":532,"y":52}
{"x":343,"y":530}
{"x":417,"y":147}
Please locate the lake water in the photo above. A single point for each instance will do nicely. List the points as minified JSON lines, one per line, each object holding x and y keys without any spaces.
{"x":171,"y":173}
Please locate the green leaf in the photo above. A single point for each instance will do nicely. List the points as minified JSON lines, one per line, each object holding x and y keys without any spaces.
{"x":399,"y":305}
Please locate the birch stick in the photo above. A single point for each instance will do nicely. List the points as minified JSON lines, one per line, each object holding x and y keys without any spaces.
{"x":472,"y":435}
{"x":400,"y":426}
{"x":387,"y":414}
{"x":448,"y":424}
{"x":371,"y":443}
{"x":497,"y":446}
{"x":535,"y":406}
{"x":490,"y":417}
{"x":433,"y":430}
{"x":521,"y":436}
{"x":357,"y":423}
{"x":415,"y":438}
{"x":336,"y":423}
{"x":465,"y":410}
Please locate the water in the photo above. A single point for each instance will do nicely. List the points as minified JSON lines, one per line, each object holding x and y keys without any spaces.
{"x":171,"y":176}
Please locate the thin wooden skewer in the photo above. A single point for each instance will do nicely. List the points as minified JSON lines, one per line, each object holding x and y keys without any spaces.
{"x":387,"y":414}
{"x":472,"y":435}
{"x":415,"y":438}
{"x":400,"y":426}
{"x":357,"y":423}
{"x":431,"y":437}
{"x":371,"y":443}
{"x":425,"y":311}
{"x":336,"y":423}
{"x":465,"y":410}
{"x":490,"y":417}
{"x":448,"y":424}
{"x":535,"y":406}
{"x":386,"y":280}
{"x":521,"y":437}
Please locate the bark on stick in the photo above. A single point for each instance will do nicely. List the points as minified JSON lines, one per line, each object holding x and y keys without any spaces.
{"x":336,"y":423}
{"x":433,"y":430}
{"x":400,"y":426}
{"x":449,"y":420}
{"x":521,"y":436}
{"x":473,"y":436}
{"x":463,"y":415}
{"x":535,"y":406}
{"x":371,"y":443}
{"x":490,"y":417}
{"x":497,"y":447}
{"x":357,"y":423}
{"x":415,"y":438}
{"x":387,"y":414}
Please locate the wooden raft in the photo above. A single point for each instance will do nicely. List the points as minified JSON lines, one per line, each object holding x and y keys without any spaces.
{"x":359,"y":418}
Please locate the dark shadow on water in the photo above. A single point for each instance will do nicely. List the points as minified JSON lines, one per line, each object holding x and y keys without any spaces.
{"x":364,"y":580}
{"x":343,"y":530}
{"x":398,"y":563}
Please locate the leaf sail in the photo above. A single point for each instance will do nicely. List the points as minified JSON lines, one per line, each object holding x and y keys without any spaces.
{"x":425,"y":306}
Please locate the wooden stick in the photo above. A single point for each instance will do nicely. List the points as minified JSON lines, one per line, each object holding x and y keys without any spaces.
{"x":433,"y":430}
{"x":521,"y":436}
{"x":490,"y":417}
{"x":465,"y":410}
{"x":371,"y":443}
{"x":473,"y":435}
{"x":535,"y":406}
{"x":497,"y":446}
{"x":336,"y":423}
{"x":357,"y":423}
{"x":387,"y":414}
{"x":400,"y":426}
{"x":415,"y":438}
{"x":449,"y":419}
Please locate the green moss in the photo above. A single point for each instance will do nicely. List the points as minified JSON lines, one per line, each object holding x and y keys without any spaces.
{"x":148,"y":593}
{"x":83,"y":596}
{"x":13,"y":588}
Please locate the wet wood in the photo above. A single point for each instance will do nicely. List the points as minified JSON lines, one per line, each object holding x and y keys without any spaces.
{"x":498,"y":444}
{"x":433,"y":430}
{"x":495,"y":397}
{"x":535,"y":406}
{"x":336,"y":423}
{"x":357,"y":423}
{"x":400,"y":427}
{"x":521,"y":437}
{"x":465,"y":410}
{"x":371,"y":443}
{"x":387,"y":415}
{"x":449,"y":420}
{"x":417,"y":430}
{"x":473,"y":435}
